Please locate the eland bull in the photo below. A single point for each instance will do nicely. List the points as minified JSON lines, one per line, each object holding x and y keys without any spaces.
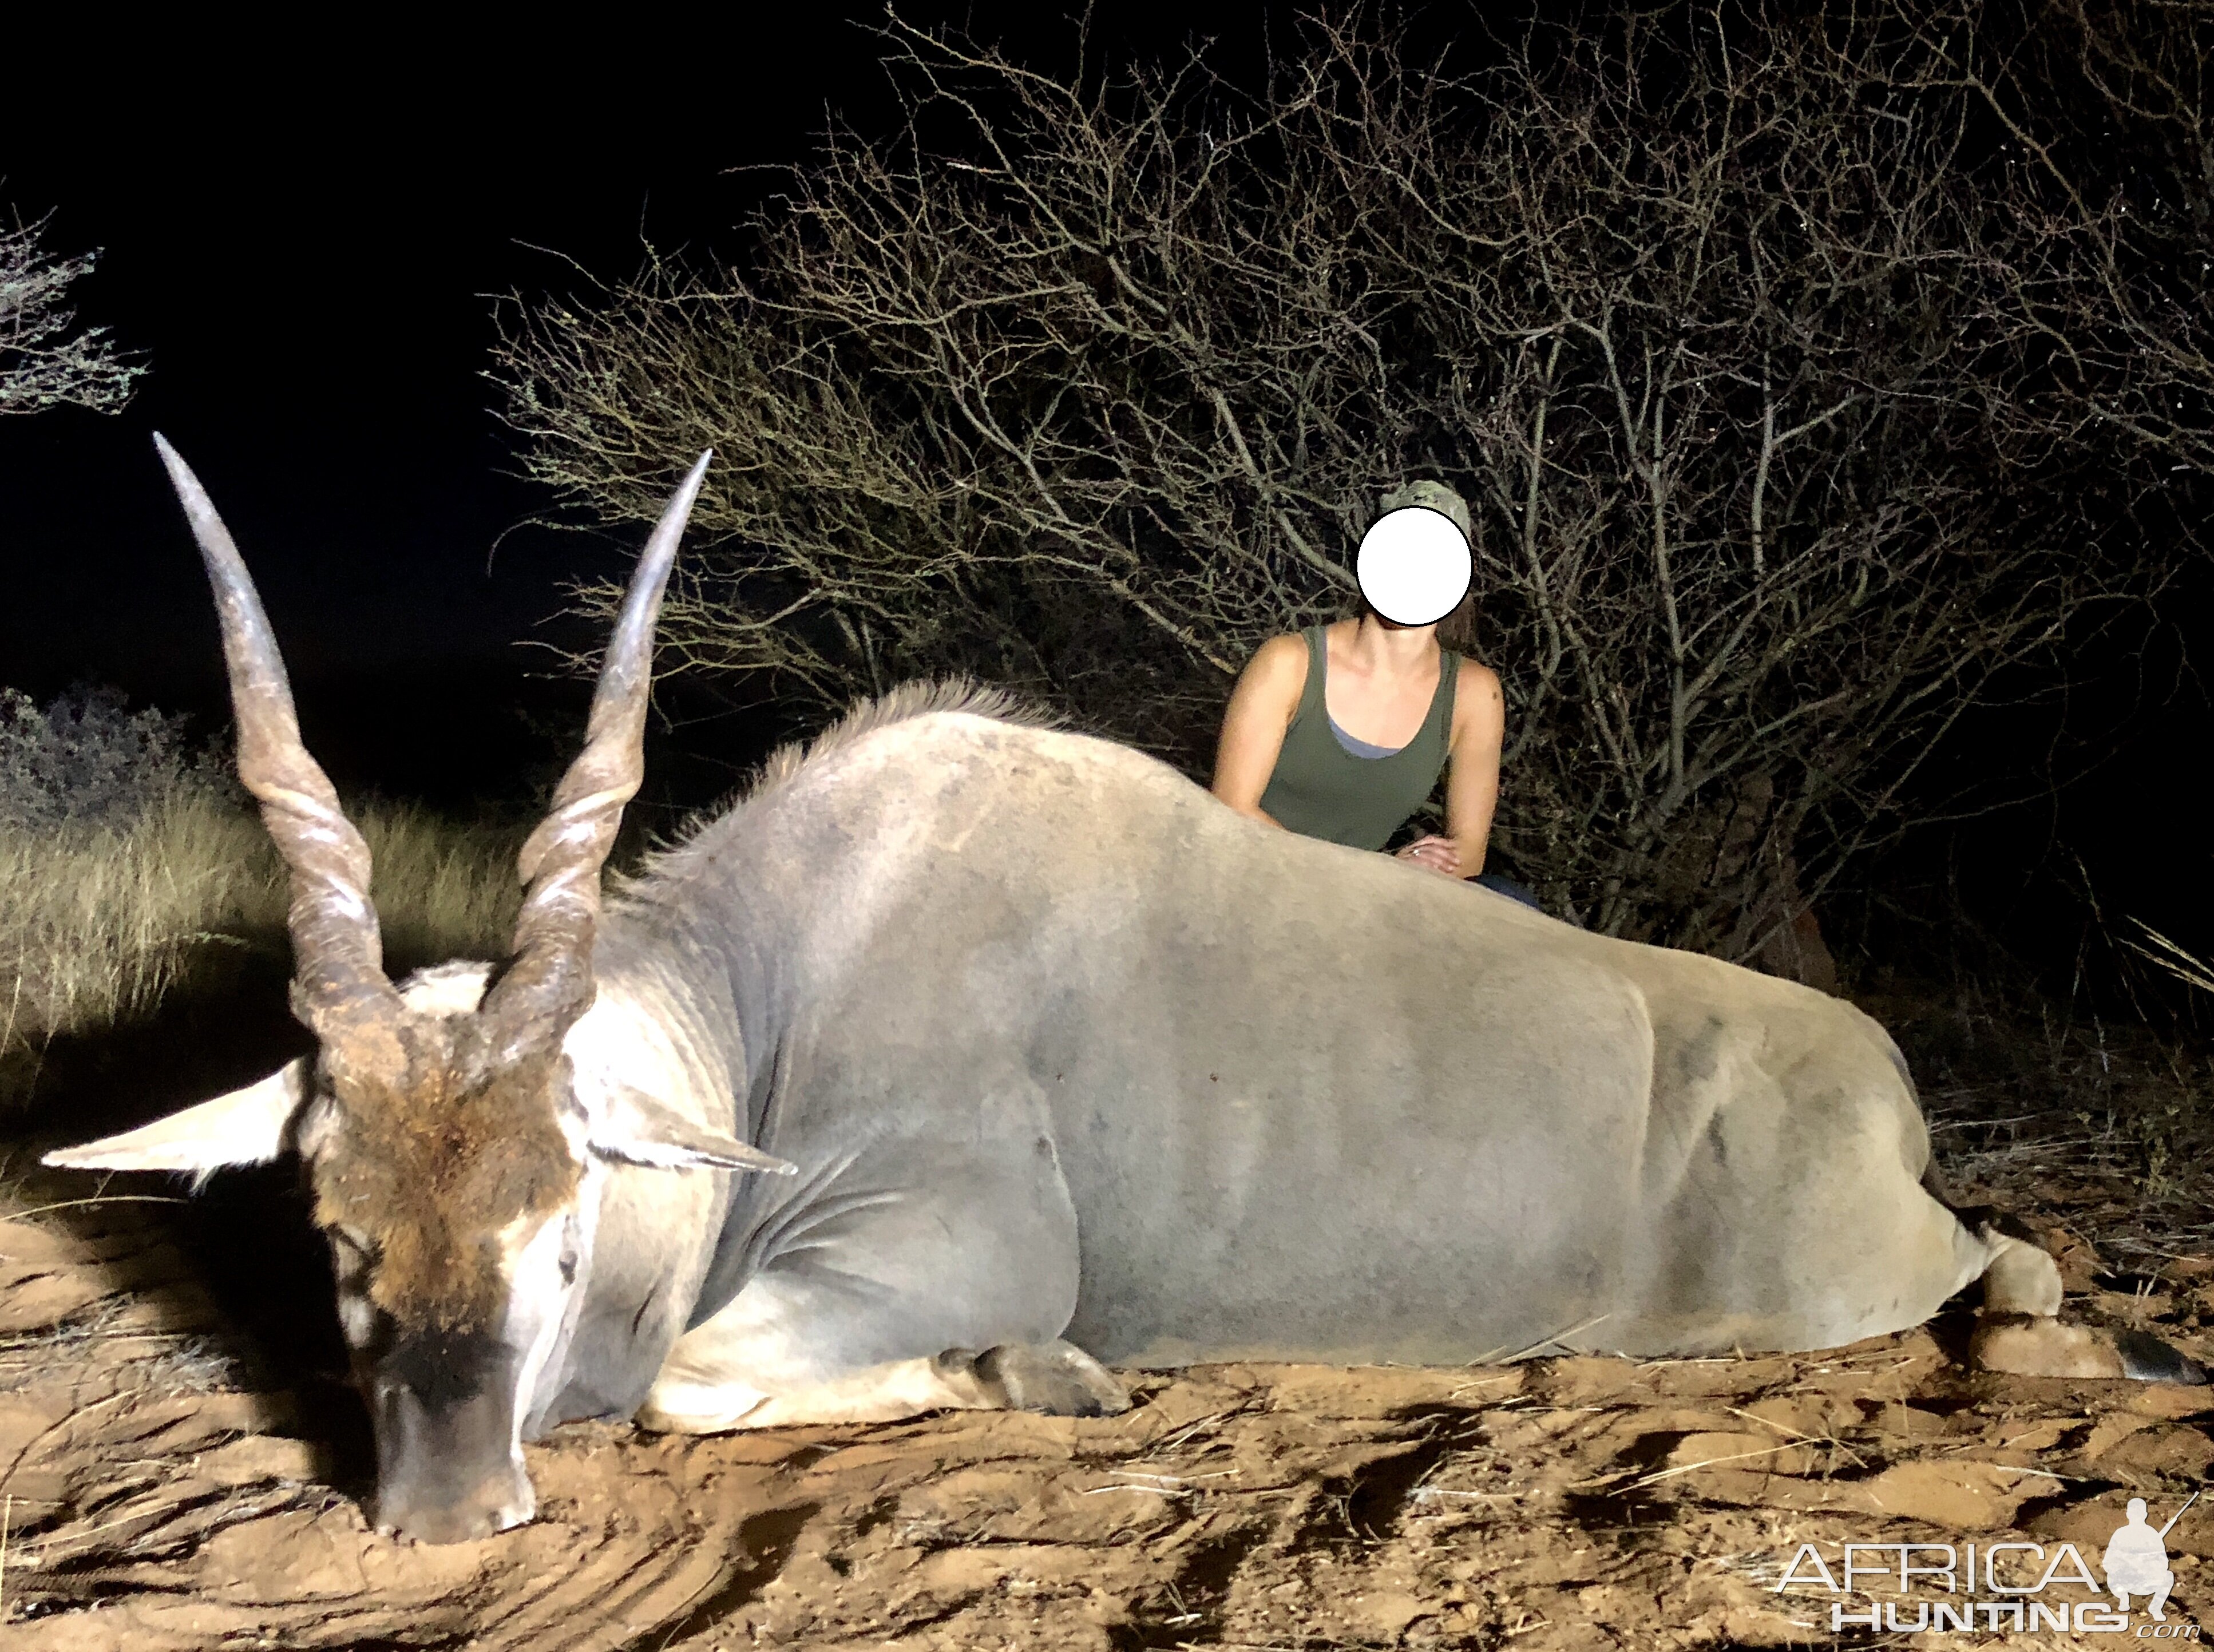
{"x":964,"y":1055}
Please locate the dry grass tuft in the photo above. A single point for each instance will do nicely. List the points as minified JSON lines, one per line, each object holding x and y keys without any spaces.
{"x":444,"y":888}
{"x":101,"y":921}
{"x":2107,"y":1128}
{"x":96,"y":922}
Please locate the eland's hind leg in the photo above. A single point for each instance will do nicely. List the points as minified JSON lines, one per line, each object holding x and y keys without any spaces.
{"x":2020,"y":1330}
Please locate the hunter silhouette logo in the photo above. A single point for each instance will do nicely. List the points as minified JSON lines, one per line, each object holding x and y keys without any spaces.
{"x":2136,"y":1561}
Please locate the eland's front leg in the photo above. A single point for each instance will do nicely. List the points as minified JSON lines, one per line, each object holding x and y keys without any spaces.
{"x":879,"y":1289}
{"x":1055,"y":1377}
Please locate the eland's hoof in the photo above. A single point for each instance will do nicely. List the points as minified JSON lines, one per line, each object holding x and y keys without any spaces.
{"x":1059,"y":1379}
{"x":2030,"y":1345}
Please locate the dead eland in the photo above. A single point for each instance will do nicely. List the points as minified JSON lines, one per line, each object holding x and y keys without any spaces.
{"x":964,"y":1055}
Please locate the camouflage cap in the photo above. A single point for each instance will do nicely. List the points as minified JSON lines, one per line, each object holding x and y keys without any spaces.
{"x":1435,"y":496}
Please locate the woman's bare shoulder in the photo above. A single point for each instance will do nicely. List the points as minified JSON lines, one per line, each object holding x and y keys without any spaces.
{"x":1274,"y":678}
{"x":1281,"y":658}
{"x":1478,"y":702}
{"x":1476,"y":679}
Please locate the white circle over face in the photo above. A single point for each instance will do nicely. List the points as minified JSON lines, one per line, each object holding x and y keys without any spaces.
{"x":1415,"y":565}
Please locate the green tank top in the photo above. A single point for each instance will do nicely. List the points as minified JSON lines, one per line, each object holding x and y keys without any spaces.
{"x":1319,"y":789}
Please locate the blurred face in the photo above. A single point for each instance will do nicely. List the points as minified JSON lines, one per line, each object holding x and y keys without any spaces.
{"x":1414,"y":565}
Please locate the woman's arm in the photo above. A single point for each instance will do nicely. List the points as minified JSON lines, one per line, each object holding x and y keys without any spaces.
{"x":1471,"y":777}
{"x":1262,"y":707}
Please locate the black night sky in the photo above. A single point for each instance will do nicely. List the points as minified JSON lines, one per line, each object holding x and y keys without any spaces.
{"x":308,"y":253}
{"x":306,"y":241}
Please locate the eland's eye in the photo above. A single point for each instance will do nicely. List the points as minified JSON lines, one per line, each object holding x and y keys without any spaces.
{"x":570,"y":1249}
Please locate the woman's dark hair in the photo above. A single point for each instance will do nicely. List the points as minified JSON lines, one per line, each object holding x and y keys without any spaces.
{"x":1456,"y":631}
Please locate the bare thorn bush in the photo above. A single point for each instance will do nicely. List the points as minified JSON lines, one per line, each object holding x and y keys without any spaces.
{"x":1742,"y":341}
{"x":2107,"y":110}
{"x":44,"y":363}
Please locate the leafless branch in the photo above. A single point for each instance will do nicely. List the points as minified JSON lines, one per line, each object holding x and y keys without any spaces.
{"x":43,"y":362}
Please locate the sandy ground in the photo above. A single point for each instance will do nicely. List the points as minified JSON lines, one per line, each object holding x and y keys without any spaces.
{"x":170,"y":1482}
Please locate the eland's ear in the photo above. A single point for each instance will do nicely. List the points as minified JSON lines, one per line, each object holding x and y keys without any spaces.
{"x":637,"y":1129}
{"x":247,"y":1127}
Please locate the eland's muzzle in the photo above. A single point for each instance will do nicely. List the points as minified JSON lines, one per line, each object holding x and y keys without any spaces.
{"x":447,"y":1472}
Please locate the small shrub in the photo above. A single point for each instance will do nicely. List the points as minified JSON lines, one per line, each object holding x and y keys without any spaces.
{"x":87,"y":759}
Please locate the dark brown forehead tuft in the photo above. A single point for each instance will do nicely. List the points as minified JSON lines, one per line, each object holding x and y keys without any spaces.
{"x":432,"y":1166}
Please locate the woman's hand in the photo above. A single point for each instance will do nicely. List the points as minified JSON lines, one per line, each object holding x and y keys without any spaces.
{"x":1439,"y":854}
